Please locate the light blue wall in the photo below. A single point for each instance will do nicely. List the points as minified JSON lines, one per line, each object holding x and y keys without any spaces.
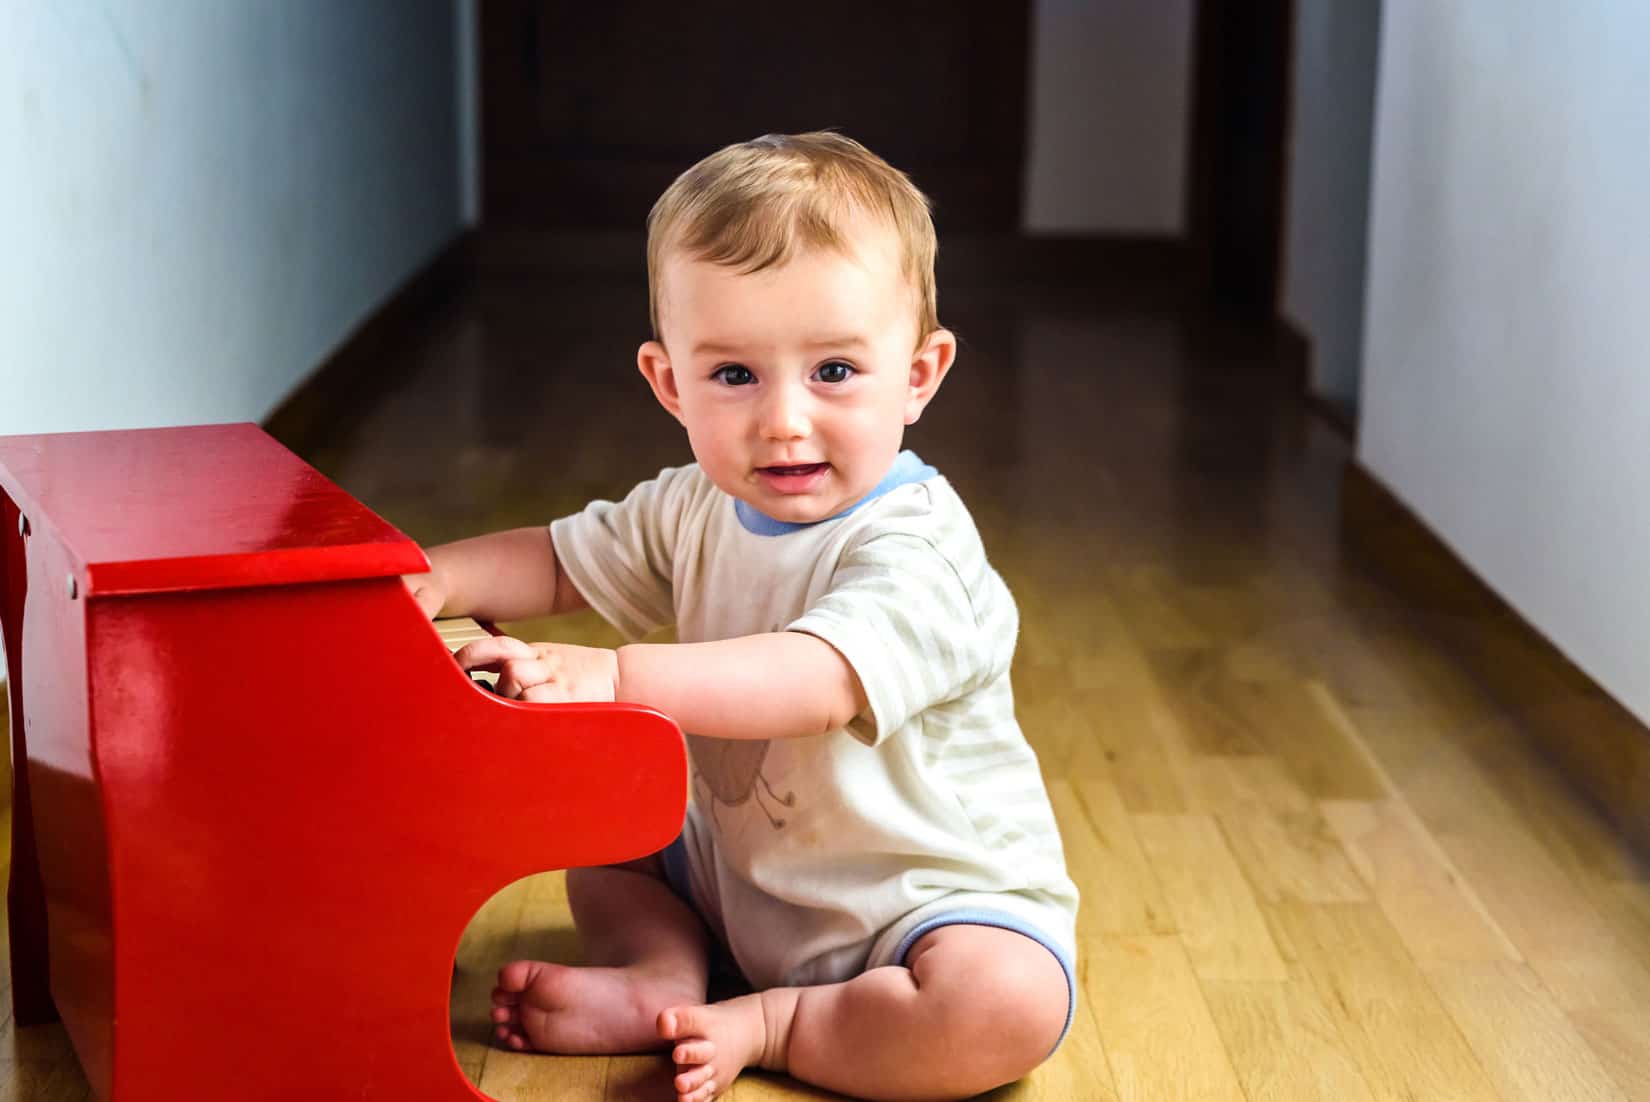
{"x":201,"y":199}
{"x":1506,"y":383}
{"x":1336,"y":47}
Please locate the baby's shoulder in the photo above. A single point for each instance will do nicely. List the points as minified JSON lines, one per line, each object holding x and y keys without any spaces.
{"x":927,"y":513}
{"x":678,"y":492}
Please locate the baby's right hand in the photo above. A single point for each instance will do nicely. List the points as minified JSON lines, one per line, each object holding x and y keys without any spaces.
{"x":428,"y":590}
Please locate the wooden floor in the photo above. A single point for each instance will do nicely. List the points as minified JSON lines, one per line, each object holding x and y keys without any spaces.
{"x":1318,"y":860}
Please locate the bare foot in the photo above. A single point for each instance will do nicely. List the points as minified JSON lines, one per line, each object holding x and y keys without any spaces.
{"x":557,"y":1008}
{"x":714,"y":1043}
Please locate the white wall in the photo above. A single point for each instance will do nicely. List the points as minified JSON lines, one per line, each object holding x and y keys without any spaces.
{"x":1506,"y":387}
{"x":1110,"y":105}
{"x":201,"y":199}
{"x":1326,"y":221}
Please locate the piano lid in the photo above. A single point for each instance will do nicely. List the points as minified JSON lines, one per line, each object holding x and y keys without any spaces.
{"x":194,"y":508}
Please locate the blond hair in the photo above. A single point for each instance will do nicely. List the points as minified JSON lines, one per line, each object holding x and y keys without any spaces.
{"x":756,"y":204}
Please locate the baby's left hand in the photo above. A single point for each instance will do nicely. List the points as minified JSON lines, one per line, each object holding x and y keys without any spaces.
{"x":544,"y":672}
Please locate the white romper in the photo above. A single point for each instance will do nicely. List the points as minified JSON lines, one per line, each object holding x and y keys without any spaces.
{"x":816,"y":858}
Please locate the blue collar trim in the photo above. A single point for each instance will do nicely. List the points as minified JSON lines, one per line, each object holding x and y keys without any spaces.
{"x":907,"y":468}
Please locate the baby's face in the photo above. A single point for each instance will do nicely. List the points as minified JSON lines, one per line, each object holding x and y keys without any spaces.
{"x":795,"y":384}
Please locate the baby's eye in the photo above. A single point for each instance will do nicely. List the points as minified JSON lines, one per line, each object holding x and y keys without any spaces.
{"x":734,"y":375}
{"x":834,"y":372}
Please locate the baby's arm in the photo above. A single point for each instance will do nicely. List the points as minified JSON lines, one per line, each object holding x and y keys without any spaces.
{"x":784,"y":684}
{"x":506,"y":575}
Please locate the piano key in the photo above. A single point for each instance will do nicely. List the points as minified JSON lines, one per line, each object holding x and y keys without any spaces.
{"x":459,"y":630}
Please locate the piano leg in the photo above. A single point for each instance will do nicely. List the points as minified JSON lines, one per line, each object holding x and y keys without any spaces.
{"x":25,"y":901}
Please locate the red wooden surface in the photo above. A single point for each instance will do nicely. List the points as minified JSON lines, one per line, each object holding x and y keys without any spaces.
{"x":199,"y":507}
{"x":266,"y":813}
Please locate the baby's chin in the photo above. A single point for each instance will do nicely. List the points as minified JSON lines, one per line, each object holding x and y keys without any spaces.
{"x":792,"y":511}
{"x":796,"y":509}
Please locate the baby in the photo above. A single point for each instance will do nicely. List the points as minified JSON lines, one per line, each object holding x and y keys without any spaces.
{"x":869,"y":835}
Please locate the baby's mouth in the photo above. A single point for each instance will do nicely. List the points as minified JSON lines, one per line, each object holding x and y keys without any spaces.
{"x":794,"y":478}
{"x":794,"y":471}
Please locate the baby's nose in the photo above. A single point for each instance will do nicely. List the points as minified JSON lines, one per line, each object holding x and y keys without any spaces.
{"x":785,"y":414}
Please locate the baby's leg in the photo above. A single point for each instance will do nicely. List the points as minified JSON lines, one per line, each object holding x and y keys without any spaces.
{"x":976,"y":1007}
{"x":646,"y":950}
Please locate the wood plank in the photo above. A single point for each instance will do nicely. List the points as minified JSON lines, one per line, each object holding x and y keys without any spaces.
{"x":648,"y":1079}
{"x":1207,"y":704}
{"x":1529,"y":1048}
{"x":1626,"y":907}
{"x":1621,"y":1040}
{"x":1283,"y":1043}
{"x":1123,"y":896}
{"x":1052,"y":717}
{"x":1403,"y":1041}
{"x":1156,"y":1028}
{"x":1305,"y":726}
{"x":1335,"y":649}
{"x":1223,"y":930}
{"x":1136,"y":740}
{"x":31,"y":1081}
{"x":1158,"y":612}
{"x":1486,"y":748}
{"x":1281,"y":841}
{"x":1431,"y":906}
{"x":1544,"y":911}
{"x":35,"y":1044}
{"x":536,"y":1077}
{"x":1580,"y":839}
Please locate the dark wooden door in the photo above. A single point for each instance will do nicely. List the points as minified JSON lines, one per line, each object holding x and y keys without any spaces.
{"x":590,"y":110}
{"x":1244,"y":51}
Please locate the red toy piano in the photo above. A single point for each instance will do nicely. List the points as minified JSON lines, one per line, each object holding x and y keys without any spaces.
{"x":255,"y":800}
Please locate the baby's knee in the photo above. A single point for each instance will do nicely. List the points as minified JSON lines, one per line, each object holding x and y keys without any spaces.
{"x":1006,"y":999}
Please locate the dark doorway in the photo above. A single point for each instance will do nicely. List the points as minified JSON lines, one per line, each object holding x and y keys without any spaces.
{"x":590,"y":110}
{"x":1243,"y":51}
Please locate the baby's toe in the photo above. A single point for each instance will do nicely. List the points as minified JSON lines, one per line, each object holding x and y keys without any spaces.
{"x":702,"y":1093}
{"x":694,"y":1052}
{"x":683,"y":1022}
{"x":693,"y":1078}
{"x":513,"y":979}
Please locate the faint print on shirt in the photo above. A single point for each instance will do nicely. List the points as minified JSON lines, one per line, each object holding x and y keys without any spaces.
{"x":730,"y":770}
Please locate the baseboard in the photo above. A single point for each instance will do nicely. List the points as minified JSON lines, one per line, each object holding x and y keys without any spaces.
{"x":1295,"y":349}
{"x":1597,"y":743}
{"x":330,"y":395}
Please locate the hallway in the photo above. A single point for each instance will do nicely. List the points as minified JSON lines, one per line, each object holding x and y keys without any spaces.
{"x":1318,"y":858}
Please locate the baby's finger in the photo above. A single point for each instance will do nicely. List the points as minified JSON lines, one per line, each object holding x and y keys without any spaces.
{"x":492,"y":652}
{"x":547,"y":692}
{"x":517,"y":675}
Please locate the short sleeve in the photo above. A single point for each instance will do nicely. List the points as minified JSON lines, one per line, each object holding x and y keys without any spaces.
{"x":911,"y":627}
{"x":620,"y":555}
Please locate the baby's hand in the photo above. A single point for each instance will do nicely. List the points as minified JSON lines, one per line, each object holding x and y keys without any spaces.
{"x":543,"y":672}
{"x":428,"y":590}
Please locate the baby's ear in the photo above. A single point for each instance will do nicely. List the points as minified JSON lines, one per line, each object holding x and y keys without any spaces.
{"x":654,"y":363}
{"x":928,"y":369}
